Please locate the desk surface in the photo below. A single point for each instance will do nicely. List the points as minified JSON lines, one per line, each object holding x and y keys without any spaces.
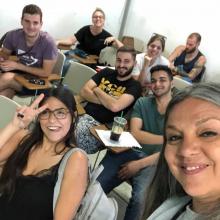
{"x":24,"y":82}
{"x":90,"y":59}
{"x":64,"y":47}
{"x":13,"y":58}
{"x":113,"y":149}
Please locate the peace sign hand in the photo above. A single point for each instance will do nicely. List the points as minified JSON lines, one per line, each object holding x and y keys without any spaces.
{"x":26,"y":114}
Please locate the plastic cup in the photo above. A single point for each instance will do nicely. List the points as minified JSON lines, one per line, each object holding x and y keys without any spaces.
{"x":117,"y":128}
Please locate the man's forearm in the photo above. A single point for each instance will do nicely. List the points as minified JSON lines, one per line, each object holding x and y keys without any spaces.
{"x":33,"y":70}
{"x":149,"y":160}
{"x":105,"y":99}
{"x":144,"y":137}
{"x":89,"y":96}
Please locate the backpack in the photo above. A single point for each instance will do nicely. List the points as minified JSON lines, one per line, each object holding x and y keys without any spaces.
{"x":95,"y":204}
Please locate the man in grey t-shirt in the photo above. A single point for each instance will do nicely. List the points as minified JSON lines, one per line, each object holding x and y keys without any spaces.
{"x":36,"y":51}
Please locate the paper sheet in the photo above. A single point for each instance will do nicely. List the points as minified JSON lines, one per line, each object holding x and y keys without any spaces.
{"x":126,"y":139}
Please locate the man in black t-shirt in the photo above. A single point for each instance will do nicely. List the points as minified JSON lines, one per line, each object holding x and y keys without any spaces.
{"x":108,"y":94}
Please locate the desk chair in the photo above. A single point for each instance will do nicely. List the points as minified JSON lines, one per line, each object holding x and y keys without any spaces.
{"x":107,"y":56}
{"x":58,"y":67}
{"x":128,"y":41}
{"x":7,"y":110}
{"x":77,"y":75}
{"x":55,"y":76}
{"x":180,"y":83}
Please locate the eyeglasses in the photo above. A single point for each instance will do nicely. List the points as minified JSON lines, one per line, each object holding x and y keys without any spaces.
{"x":159,"y":36}
{"x":96,"y":17}
{"x":60,"y":113}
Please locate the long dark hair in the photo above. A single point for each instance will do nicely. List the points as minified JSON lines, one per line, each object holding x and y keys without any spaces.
{"x":164,"y":185}
{"x":17,"y":161}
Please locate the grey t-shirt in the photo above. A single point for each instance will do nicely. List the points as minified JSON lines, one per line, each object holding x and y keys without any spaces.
{"x":171,"y":206}
{"x":43,"y":49}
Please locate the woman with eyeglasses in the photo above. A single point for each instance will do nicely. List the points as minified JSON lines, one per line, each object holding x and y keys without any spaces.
{"x":152,"y":57}
{"x":186,"y":183}
{"x":92,"y":38}
{"x":30,"y":161}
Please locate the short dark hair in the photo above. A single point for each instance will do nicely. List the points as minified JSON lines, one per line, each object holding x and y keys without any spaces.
{"x":127,"y":49}
{"x":163,"y":68}
{"x":196,"y":35}
{"x":32,"y":9}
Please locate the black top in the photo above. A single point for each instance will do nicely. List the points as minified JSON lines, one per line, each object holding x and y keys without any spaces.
{"x":107,"y":81}
{"x":91,"y":44}
{"x":33,"y":197}
{"x":188,"y":66}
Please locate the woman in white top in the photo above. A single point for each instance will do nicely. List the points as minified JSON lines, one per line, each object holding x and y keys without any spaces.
{"x":186,"y":183}
{"x":152,"y":57}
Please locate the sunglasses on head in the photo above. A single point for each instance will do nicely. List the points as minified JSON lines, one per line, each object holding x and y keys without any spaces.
{"x":159,"y":36}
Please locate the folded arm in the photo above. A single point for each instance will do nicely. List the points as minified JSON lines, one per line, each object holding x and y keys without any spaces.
{"x":10,"y":65}
{"x":87,"y":92}
{"x":113,"y":103}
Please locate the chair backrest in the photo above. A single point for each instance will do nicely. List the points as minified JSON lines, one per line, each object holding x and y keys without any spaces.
{"x":128,"y":41}
{"x":77,"y":75}
{"x":58,"y":67}
{"x":107,"y":56}
{"x":2,"y":39}
{"x":7,"y":110}
{"x":180,"y":83}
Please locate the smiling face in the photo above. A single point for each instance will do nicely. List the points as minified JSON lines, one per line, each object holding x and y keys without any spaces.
{"x":160,"y":83}
{"x":154,"y":49}
{"x":193,"y":147}
{"x":124,"y":64}
{"x":55,"y":129}
{"x":98,"y":19}
{"x":31,"y":24}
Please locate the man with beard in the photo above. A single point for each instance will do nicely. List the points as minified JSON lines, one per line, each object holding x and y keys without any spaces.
{"x":187,"y":62}
{"x":147,"y":119}
{"x":108,"y":93}
{"x":36,"y":52}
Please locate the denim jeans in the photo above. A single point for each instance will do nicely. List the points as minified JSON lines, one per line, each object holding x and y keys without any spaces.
{"x":109,"y":180}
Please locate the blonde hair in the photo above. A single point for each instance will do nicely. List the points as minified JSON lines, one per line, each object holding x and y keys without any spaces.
{"x":99,"y":10}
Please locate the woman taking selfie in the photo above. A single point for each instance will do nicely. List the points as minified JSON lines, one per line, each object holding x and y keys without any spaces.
{"x":30,"y":161}
{"x":186,"y":184}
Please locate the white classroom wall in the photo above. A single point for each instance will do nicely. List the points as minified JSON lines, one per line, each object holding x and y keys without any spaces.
{"x":63,"y":17}
{"x":176,"y":20}
{"x":172,"y":18}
